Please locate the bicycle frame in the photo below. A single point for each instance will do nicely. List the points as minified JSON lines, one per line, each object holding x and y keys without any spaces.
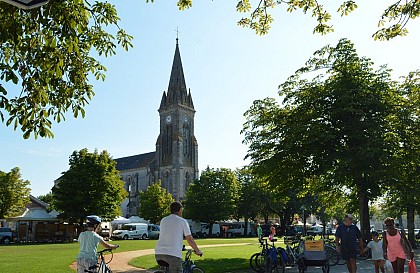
{"x":188,"y":265}
{"x":102,"y":267}
{"x":293,"y":256}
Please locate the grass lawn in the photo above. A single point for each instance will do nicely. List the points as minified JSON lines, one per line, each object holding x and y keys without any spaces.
{"x":214,"y":260}
{"x":56,"y":258}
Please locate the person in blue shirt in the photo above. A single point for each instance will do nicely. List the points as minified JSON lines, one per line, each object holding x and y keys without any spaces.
{"x":89,"y":241}
{"x":348,"y":240}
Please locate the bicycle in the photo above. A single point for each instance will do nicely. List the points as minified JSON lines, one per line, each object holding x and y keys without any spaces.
{"x":335,"y":258}
{"x":332,"y":255}
{"x":188,"y":265}
{"x":292,"y":250}
{"x":269,"y":259}
{"x":102,"y":266}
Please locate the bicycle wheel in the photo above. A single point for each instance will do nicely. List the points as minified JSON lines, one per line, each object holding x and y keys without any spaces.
{"x":270,"y":266}
{"x":281,"y":265}
{"x":326,"y":268}
{"x":332,"y":255}
{"x":340,"y":260}
{"x":196,"y":269}
{"x":290,"y":257}
{"x":257,"y":262}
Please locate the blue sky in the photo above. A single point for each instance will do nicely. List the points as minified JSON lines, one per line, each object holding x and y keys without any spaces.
{"x":226,"y":67}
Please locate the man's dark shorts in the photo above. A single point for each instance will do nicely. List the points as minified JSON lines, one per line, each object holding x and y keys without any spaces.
{"x":348,"y":254}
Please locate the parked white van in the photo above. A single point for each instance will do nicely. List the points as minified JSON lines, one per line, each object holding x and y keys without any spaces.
{"x":132,"y":230}
{"x":238,"y":229}
{"x":205,"y":229}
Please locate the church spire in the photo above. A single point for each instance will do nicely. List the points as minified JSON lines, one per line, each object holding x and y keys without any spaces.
{"x":177,"y":89}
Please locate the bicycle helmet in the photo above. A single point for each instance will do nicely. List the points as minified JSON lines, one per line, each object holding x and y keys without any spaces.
{"x":94,"y":219}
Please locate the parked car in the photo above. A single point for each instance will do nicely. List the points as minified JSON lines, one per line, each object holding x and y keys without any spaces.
{"x":154,"y":231}
{"x":238,"y":229}
{"x":417,"y":233}
{"x":133,"y":230}
{"x":6,"y":236}
{"x":314,"y":230}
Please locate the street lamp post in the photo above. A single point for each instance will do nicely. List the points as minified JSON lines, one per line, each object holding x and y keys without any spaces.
{"x":303,"y":220}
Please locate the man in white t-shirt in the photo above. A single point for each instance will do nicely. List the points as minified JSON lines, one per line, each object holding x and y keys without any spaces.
{"x":173,"y":228}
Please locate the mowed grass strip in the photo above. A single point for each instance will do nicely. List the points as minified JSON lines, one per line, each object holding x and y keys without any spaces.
{"x":56,"y":258}
{"x":214,"y":260}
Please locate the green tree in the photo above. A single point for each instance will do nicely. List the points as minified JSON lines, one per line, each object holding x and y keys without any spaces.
{"x":252,"y":196}
{"x":94,"y":185}
{"x":155,"y":202}
{"x":14,"y":193}
{"x":48,"y":52}
{"x":213,"y":197}
{"x":49,"y":199}
{"x":404,"y":189}
{"x":392,"y":23}
{"x":334,"y":125}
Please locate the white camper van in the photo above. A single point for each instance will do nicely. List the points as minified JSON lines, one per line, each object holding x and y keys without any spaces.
{"x":132,"y":230}
{"x":205,"y":230}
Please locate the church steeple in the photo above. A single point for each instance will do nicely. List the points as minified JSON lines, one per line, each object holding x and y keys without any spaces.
{"x":177,"y":89}
{"x":176,"y":146}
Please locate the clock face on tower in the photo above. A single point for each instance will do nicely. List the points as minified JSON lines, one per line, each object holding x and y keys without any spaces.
{"x":168,"y":119}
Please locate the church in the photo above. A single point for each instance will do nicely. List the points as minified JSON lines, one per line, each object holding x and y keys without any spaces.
{"x":175,"y":161}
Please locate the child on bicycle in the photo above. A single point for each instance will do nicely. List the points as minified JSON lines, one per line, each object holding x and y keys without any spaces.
{"x":89,"y":241}
{"x":377,"y":253}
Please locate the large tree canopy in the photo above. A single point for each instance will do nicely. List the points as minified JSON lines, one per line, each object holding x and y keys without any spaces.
{"x":213,"y":197}
{"x":92,"y":185}
{"x":392,"y":23}
{"x":334,"y":126}
{"x":14,"y":193}
{"x":46,"y":60}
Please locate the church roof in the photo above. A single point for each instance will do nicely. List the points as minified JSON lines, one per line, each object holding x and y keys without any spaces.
{"x":135,"y":161}
{"x":177,"y":89}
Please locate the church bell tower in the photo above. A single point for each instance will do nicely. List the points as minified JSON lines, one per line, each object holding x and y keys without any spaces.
{"x":176,"y":146}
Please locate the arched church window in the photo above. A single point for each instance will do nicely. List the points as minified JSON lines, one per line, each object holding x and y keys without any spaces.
{"x":186,"y":139}
{"x":128,"y":184}
{"x":168,"y":140}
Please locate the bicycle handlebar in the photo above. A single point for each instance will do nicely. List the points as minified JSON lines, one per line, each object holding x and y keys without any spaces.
{"x":106,"y":250}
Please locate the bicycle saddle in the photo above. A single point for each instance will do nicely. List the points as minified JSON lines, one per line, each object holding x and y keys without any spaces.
{"x":162,"y":263}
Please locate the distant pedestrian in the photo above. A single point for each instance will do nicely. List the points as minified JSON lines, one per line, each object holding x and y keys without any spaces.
{"x":393,"y":246}
{"x":348,"y":239}
{"x":259,"y":232}
{"x":377,"y":252}
{"x":272,"y":232}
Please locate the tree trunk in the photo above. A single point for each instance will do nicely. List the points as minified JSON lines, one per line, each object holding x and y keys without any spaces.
{"x":410,"y":225}
{"x":211,"y":228}
{"x":363,"y":210}
{"x":246,"y":226}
